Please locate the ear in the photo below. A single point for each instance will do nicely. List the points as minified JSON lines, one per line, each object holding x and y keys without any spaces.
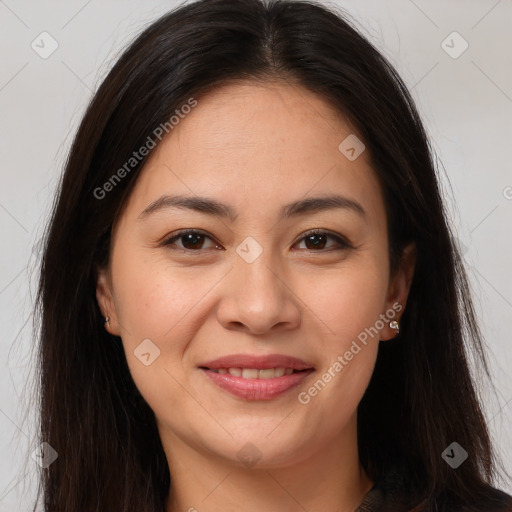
{"x":106,"y":300}
{"x":398,"y":289}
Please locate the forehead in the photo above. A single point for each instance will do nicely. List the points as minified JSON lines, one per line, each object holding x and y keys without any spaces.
{"x":238,"y":120}
{"x":256,"y":145}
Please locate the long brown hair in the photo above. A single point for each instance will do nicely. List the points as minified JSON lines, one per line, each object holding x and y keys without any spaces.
{"x":421,"y":396}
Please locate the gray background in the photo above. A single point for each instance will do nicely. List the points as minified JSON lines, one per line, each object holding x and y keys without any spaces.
{"x":466,"y":103}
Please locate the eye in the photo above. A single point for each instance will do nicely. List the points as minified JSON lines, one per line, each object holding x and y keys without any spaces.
{"x":191,"y":240}
{"x":316,"y":240}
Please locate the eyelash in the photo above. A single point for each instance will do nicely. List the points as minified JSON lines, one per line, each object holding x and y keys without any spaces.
{"x":342,"y":242}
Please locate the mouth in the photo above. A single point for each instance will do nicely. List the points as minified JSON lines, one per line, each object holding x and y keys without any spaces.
{"x":256,"y":377}
{"x":255,"y":373}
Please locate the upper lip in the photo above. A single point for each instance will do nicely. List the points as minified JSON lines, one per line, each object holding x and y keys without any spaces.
{"x":254,"y":361}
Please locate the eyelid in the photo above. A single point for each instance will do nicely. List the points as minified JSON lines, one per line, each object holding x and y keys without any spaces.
{"x":343,"y":242}
{"x":182,"y":232}
{"x":340,"y":239}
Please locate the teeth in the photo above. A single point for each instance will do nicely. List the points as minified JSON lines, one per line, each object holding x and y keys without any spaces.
{"x":250,"y":373}
{"x":255,"y":373}
{"x":268,"y":373}
{"x":279,"y":372}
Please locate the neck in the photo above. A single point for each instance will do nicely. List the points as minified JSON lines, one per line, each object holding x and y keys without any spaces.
{"x":330,"y":479}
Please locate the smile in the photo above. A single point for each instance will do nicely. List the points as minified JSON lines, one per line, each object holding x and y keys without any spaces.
{"x":255,"y":373}
{"x":255,"y":387}
{"x":254,"y":377}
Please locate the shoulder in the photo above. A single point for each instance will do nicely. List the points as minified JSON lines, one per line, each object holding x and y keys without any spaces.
{"x":499,"y":501}
{"x":393,"y":494}
{"x":495,"y":501}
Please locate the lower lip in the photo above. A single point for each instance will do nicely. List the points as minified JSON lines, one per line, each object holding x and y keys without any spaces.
{"x":256,"y":389}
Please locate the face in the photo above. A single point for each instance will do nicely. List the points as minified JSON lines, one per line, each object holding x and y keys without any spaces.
{"x":284,"y":277}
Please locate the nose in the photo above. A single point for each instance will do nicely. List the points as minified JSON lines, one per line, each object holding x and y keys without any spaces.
{"x":258,"y":299}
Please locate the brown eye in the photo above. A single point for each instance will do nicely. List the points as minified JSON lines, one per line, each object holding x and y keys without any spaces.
{"x":190,"y":240}
{"x":318,"y":240}
{"x":315,"y":241}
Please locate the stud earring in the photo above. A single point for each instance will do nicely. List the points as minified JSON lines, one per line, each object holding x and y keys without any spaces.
{"x":107,"y":320}
{"x":395,"y":325}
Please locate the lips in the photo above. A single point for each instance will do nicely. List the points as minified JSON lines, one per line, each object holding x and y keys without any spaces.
{"x":256,"y":377}
{"x":255,"y":373}
{"x":259,"y":362}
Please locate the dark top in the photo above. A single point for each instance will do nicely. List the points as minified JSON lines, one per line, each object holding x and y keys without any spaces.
{"x":392,"y":495}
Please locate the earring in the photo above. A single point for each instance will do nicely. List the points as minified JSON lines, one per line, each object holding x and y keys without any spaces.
{"x":395,"y":325}
{"x":107,"y":319}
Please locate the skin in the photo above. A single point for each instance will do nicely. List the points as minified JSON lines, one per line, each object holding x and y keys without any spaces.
{"x":254,"y":147}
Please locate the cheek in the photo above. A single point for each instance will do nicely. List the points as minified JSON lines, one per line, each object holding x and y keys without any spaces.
{"x":346,"y":301}
{"x":169,"y":304}
{"x":165,"y":304}
{"x":153,"y":306}
{"x":154,"y":297}
{"x":346,"y":306}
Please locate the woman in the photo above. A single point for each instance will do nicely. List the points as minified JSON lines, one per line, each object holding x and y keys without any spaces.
{"x":250,"y":295}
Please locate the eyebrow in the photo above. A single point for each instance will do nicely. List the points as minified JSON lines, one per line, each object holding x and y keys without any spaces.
{"x":218,"y":209}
